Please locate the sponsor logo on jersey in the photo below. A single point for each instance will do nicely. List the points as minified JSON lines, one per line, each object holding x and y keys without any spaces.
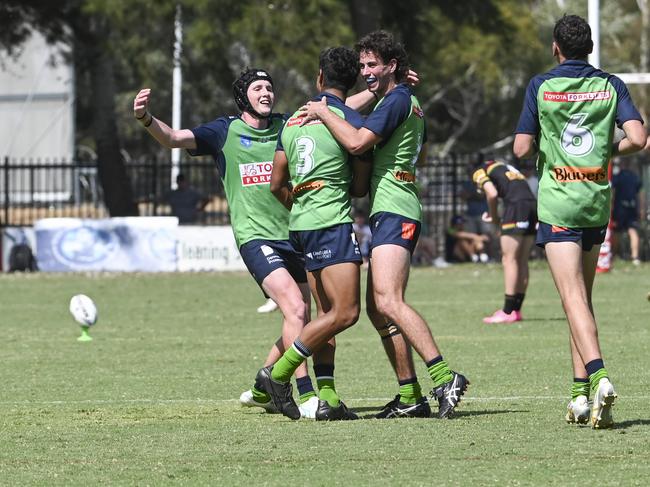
{"x":245,"y":141}
{"x":568,"y":174}
{"x":405,"y":176}
{"x":298,"y":120}
{"x":254,"y":173}
{"x":571,"y":97}
{"x":307,"y":186}
{"x":408,"y":231}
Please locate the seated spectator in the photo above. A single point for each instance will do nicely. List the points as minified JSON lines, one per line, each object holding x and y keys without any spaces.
{"x":464,"y":246}
{"x":186,"y":202}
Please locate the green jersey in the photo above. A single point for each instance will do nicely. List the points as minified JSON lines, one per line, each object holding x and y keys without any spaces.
{"x":573,"y":110}
{"x":244,"y":157}
{"x":320,"y":170}
{"x":399,"y":120}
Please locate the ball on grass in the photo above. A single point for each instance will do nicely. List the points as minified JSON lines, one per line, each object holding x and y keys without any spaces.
{"x":83,"y":310}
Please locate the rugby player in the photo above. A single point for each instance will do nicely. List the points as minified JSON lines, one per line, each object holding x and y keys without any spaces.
{"x":517,"y":230}
{"x":320,"y":225}
{"x":242,"y":147}
{"x":395,"y":132}
{"x":569,"y":115}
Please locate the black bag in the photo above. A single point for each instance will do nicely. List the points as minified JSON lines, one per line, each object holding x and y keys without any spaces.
{"x":22,"y":259}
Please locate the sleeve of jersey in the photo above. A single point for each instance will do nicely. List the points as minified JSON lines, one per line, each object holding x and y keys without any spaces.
{"x":625,"y":109}
{"x":353,"y":117}
{"x":210,"y":138}
{"x":480,"y":178}
{"x":279,"y":146}
{"x":389,"y":114}
{"x":529,"y":120}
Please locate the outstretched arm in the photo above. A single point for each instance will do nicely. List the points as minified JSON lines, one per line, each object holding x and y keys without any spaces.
{"x":159,"y":130}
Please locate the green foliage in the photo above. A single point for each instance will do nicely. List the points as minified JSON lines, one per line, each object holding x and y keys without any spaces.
{"x":286,"y":37}
{"x":474,"y":57}
{"x":153,"y":399}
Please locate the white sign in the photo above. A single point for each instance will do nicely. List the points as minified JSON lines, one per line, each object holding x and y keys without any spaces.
{"x":207,"y":249}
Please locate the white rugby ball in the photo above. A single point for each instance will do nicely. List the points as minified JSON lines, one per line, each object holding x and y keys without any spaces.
{"x":83,"y":310}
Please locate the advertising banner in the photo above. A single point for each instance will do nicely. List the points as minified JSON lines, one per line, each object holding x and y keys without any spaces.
{"x":207,"y":249}
{"x":146,"y":244}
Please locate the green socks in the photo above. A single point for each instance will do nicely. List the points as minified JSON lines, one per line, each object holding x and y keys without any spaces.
{"x":260,"y":396}
{"x":410,"y":392}
{"x":580,"y":387}
{"x":594,"y":378}
{"x":287,"y":365}
{"x":439,"y":371}
{"x":327,"y":391}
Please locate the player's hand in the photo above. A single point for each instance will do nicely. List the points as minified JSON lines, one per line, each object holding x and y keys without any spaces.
{"x":312,"y":110}
{"x":140,"y":103}
{"x":486,"y":217}
{"x":412,"y":78}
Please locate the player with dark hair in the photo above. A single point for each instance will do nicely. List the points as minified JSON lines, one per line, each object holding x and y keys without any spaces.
{"x":570,"y":112}
{"x":517,"y":227}
{"x":320,"y":225}
{"x":242,"y":147}
{"x":395,"y":132}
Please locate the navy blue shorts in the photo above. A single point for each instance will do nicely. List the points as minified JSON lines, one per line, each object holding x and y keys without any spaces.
{"x":264,"y":256}
{"x":588,"y":237}
{"x":390,"y":228}
{"x":327,"y":246}
{"x":624,"y":218}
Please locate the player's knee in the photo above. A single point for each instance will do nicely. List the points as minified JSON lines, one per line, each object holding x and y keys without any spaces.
{"x":388,"y":307}
{"x":295,"y":310}
{"x":348,"y":316}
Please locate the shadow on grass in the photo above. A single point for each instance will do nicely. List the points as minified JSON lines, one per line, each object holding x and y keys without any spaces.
{"x":619,"y":425}
{"x":458,"y":414}
{"x":554,"y":318}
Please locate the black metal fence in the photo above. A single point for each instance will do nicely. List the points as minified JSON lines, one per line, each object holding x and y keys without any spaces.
{"x":31,"y":190}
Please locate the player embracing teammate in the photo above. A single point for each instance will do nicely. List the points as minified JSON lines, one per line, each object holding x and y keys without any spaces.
{"x":395,"y":133}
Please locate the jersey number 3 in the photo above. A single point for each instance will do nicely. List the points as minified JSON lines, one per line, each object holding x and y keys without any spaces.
{"x":306,"y":147}
{"x":577,"y":140}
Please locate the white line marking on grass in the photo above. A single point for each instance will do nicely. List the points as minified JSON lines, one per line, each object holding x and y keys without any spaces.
{"x":230,"y":401}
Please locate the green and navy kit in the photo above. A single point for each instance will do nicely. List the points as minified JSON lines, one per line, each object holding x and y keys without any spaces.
{"x":244,"y":158}
{"x":572,"y":109}
{"x":510,"y":184}
{"x":399,"y":121}
{"x":320,"y":169}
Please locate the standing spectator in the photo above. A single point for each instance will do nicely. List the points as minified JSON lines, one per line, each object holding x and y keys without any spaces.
{"x":186,"y":202}
{"x":627,"y":207}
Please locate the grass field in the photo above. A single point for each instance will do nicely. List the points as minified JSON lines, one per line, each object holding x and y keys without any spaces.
{"x":153,"y":399}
